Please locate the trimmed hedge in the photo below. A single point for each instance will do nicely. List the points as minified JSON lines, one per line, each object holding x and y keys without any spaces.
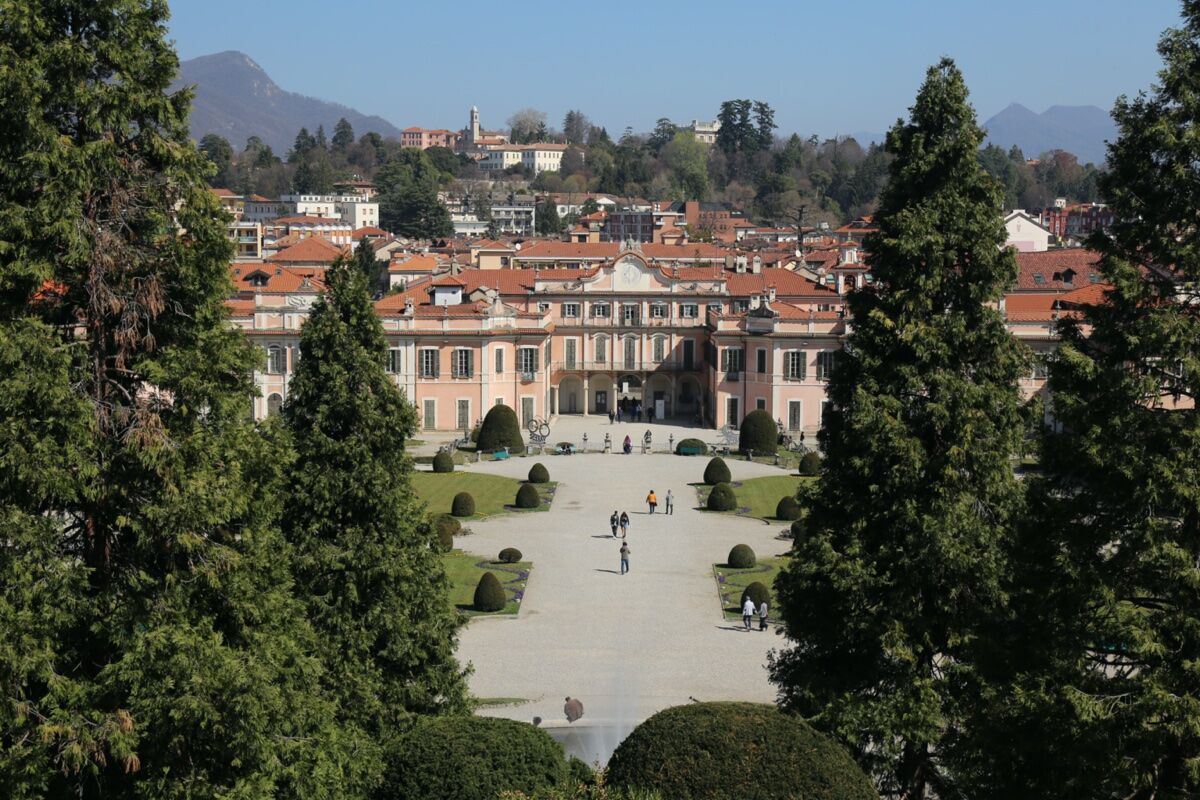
{"x":579,"y":771}
{"x":472,"y":758}
{"x":463,"y":505}
{"x":722,"y":498}
{"x":810,"y":464}
{"x":528,"y":496}
{"x":691,"y":444}
{"x":717,"y":471}
{"x":757,"y":592}
{"x":787,"y":509}
{"x":758,"y":434}
{"x":539,"y":474}
{"x":722,"y":750}
{"x":447,"y":527}
{"x":443,"y":462}
{"x":500,"y":429}
{"x":509,"y":555}
{"x":741,"y":557}
{"x":489,"y":594}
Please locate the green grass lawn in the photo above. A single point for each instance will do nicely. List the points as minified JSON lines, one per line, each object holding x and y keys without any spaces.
{"x":494,"y":494}
{"x":731,"y":583}
{"x":464,"y":571}
{"x":758,"y":497}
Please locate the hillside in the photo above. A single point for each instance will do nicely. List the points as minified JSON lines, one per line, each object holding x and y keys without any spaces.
{"x":1081,"y":130}
{"x":237,"y":99}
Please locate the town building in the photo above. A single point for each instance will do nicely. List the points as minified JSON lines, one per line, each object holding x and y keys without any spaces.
{"x":425,"y":138}
{"x":703,"y":131}
{"x":354,"y":209}
{"x":534,"y":158}
{"x":1025,"y":234}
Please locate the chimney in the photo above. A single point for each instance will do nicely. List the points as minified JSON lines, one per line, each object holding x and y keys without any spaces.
{"x":755,"y":300}
{"x":841,"y":283}
{"x":756,"y":265}
{"x":771,"y":294}
{"x":408,"y":307}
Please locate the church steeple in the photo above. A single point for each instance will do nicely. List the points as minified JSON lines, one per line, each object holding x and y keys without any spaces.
{"x":474,"y":136}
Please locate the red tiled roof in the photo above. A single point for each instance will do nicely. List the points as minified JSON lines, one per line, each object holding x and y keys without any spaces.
{"x":240,"y":307}
{"x":279,"y":279}
{"x":1081,"y":261}
{"x":312,"y":249}
{"x":786,"y":283}
{"x":419,"y":263}
{"x":450,"y":280}
{"x":600,"y":251}
{"x":223,"y":192}
{"x":794,"y":312}
{"x":1030,"y":307}
{"x":369,"y":230}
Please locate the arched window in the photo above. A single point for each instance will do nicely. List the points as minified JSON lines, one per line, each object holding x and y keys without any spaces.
{"x":660,"y":349}
{"x":274,"y":403}
{"x":600,"y":349}
{"x":276,"y":362}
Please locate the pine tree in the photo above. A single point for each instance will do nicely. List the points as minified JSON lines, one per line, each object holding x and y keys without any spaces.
{"x":370,"y":266}
{"x":150,"y":645}
{"x":900,"y":563}
{"x":366,"y":561}
{"x":343,"y":135}
{"x":548,"y":223}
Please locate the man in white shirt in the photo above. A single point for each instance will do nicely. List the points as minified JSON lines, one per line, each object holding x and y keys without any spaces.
{"x":748,"y":610}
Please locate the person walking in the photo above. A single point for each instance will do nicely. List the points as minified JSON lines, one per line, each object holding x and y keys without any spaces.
{"x":747,"y":612}
{"x":652,"y":501}
{"x":610,"y":416}
{"x":624,"y":522}
{"x":628,"y":445}
{"x":624,"y":557}
{"x":762,"y":616}
{"x":614,"y":521}
{"x":650,"y":414}
{"x":669,"y":508}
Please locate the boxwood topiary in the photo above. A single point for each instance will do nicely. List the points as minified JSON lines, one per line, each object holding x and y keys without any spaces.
{"x":787,"y":508}
{"x":528,"y":496}
{"x":489,"y":594}
{"x":758,"y":434}
{"x":509,"y":555}
{"x":741,"y":557}
{"x":757,"y":592}
{"x":579,"y":772}
{"x":447,"y":527}
{"x":717,"y":471}
{"x":716,"y":750}
{"x":810,"y":464}
{"x":722,"y":498}
{"x":443,"y":462}
{"x":691,"y":444}
{"x":500,"y":429}
{"x":538,"y":473}
{"x":472,"y":758}
{"x":463,"y":505}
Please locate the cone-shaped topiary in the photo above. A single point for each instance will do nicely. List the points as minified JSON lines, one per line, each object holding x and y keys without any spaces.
{"x":691,"y":445}
{"x":463,"y":505}
{"x":500,"y":429}
{"x":717,"y":471}
{"x":757,"y":592}
{"x":528,"y":496}
{"x":787,"y":508}
{"x":489,"y":594}
{"x":443,"y":462}
{"x":758,"y":434}
{"x":741,"y":557}
{"x":722,"y":498}
{"x":447,"y":528}
{"x":810,"y":464}
{"x":509,"y":555}
{"x":538,"y":473}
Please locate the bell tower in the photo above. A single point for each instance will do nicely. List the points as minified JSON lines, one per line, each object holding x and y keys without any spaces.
{"x":474,"y":137}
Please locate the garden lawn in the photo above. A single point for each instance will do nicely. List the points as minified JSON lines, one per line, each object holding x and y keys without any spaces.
{"x":758,"y":497}
{"x":492,"y":493}
{"x":463,"y":571}
{"x":736,"y":580}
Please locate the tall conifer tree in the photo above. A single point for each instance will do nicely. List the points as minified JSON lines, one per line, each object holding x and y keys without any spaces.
{"x":901,"y":557}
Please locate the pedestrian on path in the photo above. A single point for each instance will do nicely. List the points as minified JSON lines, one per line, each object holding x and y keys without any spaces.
{"x":614,"y":521}
{"x":624,"y":524}
{"x":747,"y":612}
{"x":670,"y":506}
{"x":628,"y":445}
{"x":762,"y":616}
{"x":652,"y":501}
{"x":625,"y":558}
{"x":610,"y":417}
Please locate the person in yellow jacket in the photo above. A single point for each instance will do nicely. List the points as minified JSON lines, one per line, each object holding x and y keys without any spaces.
{"x":652,"y":501}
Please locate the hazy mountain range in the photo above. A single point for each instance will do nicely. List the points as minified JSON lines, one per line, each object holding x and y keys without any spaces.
{"x":237,"y":99}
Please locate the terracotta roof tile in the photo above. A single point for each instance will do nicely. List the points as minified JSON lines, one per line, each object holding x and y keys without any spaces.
{"x":1038,"y":271}
{"x":314,"y":249}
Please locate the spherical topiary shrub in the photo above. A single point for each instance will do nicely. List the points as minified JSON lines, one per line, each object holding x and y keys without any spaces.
{"x":741,"y":557}
{"x":489,"y":594}
{"x":757,"y":592}
{"x":447,"y":528}
{"x":443,"y":462}
{"x":722,"y":498}
{"x":717,"y":471}
{"x":500,"y":429}
{"x":509,"y":555}
{"x":787,"y":508}
{"x":691,"y":445}
{"x":758,"y":434}
{"x":810,"y":464}
{"x":528,"y":497}
{"x":463,"y":505}
{"x":472,"y":758}
{"x":717,"y":750}
{"x":538,"y":473}
{"x":579,"y":772}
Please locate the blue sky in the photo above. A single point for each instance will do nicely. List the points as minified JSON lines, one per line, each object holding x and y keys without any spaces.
{"x":825,"y":67}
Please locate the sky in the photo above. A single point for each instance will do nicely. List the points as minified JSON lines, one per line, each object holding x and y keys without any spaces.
{"x":827,"y":68}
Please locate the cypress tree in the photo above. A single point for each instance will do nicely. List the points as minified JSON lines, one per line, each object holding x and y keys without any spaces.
{"x":365,"y":549}
{"x":151,"y":643}
{"x":901,"y":561}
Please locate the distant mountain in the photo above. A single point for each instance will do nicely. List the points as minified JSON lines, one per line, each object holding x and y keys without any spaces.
{"x":1081,"y":130}
{"x":236,"y":99}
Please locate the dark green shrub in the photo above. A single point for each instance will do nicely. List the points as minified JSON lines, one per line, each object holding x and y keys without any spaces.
{"x":579,"y":773}
{"x":810,"y":464}
{"x":722,"y":498}
{"x":472,"y":758}
{"x":463,"y":505}
{"x":717,"y":471}
{"x":797,"y":531}
{"x":741,"y":557}
{"x":489,"y":594}
{"x":509,"y":555}
{"x":475,"y":434}
{"x":538,"y":473}
{"x":787,"y":508}
{"x":443,"y":462}
{"x":500,"y":429}
{"x":447,"y":527}
{"x":758,"y":593}
{"x":724,"y":750}
{"x":758,"y":434}
{"x":528,"y":496}
{"x":691,"y":444}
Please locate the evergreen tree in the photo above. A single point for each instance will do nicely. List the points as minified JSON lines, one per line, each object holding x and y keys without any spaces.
{"x":408,"y":197}
{"x":319,"y":140}
{"x":303,"y":144}
{"x":150,"y":644}
{"x":764,"y":122}
{"x":548,"y":223}
{"x":370,"y":266}
{"x":366,"y":561}
{"x":220,"y":153}
{"x":343,"y":135}
{"x":899,"y":566}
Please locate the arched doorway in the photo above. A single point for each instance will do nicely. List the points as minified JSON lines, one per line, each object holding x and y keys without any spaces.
{"x":570,"y":395}
{"x":658,"y":396}
{"x":602,"y":398}
{"x":687,"y":397}
{"x":628,"y":391}
{"x":274,"y":403}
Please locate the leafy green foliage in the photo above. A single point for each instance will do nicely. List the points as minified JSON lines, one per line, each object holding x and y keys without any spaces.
{"x":787,"y":509}
{"x":538,"y":473}
{"x":758,"y":593}
{"x":691,"y":444}
{"x":810,"y":464}
{"x":446,"y":528}
{"x":509,"y":555}
{"x":408,"y":196}
{"x":528,"y":496}
{"x":443,"y":462}
{"x":722,"y":750}
{"x":463,"y":505}
{"x":722,"y":498}
{"x":741,"y":556}
{"x":489,"y":594}
{"x":500,"y":429}
{"x":717,"y":471}
{"x":758,"y":434}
